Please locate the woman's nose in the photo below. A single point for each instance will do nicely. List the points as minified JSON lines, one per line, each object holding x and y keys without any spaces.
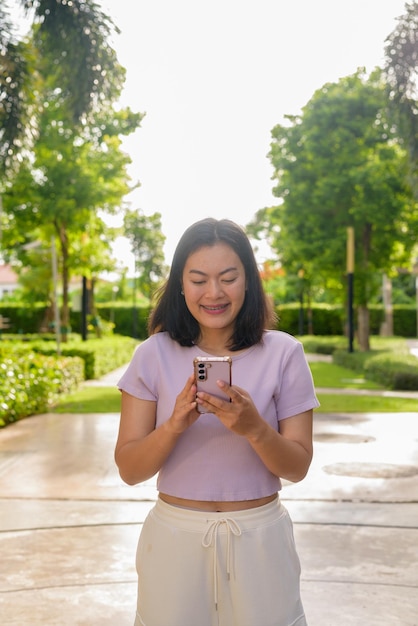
{"x":215,"y":288}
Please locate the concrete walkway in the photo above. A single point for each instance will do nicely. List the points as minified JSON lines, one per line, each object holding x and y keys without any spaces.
{"x":69,"y":526}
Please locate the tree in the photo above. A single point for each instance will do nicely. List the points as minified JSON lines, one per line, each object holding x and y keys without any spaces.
{"x":339,"y":165}
{"x":401,"y":70}
{"x":75,"y":35}
{"x":74,"y":172}
{"x":147,"y":241}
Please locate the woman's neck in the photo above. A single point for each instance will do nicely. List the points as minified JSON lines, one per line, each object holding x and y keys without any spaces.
{"x":216,"y":344}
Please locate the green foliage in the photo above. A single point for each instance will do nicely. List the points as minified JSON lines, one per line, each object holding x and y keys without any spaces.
{"x":75,"y":36}
{"x":128,"y":320}
{"x":147,"y":241}
{"x":324,"y":319}
{"x":322,"y":345}
{"x":393,"y":371}
{"x":33,"y":377}
{"x":99,"y":355}
{"x":405,"y":320}
{"x":26,"y":320}
{"x":76,"y":167}
{"x":339,"y":165}
{"x":401,"y":52}
{"x":23,"y":318}
{"x":31,"y":383}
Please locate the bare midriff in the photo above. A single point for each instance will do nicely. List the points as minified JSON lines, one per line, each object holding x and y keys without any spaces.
{"x":217,"y":506}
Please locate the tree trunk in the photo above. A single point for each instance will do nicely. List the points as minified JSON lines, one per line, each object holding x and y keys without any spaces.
{"x":65,"y":320}
{"x":363,"y":331}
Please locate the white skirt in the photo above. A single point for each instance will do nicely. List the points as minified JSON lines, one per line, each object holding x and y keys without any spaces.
{"x":238,"y":568}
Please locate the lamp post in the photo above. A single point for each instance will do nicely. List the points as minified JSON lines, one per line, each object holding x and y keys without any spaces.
{"x":350,"y":286}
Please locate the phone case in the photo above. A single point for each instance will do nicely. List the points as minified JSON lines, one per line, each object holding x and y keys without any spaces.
{"x":210,"y":369}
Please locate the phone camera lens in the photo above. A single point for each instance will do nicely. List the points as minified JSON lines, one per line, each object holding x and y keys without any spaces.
{"x":201,"y":376}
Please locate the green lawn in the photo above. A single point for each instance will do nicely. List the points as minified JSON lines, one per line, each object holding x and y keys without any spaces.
{"x":340,"y":403}
{"x":90,"y":400}
{"x":330,"y":375}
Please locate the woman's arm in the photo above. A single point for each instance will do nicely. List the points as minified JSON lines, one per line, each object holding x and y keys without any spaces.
{"x":141,"y":449}
{"x":287,"y":454}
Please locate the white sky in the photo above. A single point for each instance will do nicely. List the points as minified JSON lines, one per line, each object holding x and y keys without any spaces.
{"x":214,"y":77}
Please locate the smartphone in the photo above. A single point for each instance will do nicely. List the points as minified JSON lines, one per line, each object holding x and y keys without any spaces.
{"x":209,"y":369}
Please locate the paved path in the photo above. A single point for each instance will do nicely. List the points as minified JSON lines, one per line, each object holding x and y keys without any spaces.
{"x":69,"y":526}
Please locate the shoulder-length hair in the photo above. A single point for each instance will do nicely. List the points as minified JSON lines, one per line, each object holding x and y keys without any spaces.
{"x":171,"y":313}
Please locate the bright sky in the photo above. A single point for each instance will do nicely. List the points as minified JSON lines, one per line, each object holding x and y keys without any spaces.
{"x":214,"y":77}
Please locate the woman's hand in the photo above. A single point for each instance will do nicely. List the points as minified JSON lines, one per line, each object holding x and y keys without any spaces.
{"x":184,"y":412}
{"x":240,"y":415}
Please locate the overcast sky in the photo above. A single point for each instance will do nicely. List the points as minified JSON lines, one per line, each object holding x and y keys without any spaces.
{"x":214,"y":78}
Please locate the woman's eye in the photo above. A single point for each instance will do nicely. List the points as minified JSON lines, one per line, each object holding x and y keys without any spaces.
{"x":229,"y":280}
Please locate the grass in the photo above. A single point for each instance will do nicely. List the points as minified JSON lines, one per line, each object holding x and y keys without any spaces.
{"x":90,"y":400}
{"x":344,"y":403}
{"x":330,"y":375}
{"x":107,"y":399}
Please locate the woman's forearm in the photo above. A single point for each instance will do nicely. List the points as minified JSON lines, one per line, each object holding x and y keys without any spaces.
{"x":284,"y":457}
{"x":139,"y":460}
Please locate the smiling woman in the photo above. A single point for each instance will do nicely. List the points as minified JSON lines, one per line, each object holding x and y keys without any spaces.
{"x":220,"y":457}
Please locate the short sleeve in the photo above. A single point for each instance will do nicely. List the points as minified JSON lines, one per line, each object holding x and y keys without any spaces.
{"x":139,"y":379}
{"x":297,"y":392}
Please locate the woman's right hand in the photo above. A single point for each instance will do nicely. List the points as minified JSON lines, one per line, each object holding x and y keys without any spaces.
{"x":185,"y":413}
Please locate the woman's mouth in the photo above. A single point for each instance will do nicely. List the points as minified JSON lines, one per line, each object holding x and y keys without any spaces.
{"x":215,"y":310}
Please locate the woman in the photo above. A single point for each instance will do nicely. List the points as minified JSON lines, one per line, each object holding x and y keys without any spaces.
{"x":217,"y":548}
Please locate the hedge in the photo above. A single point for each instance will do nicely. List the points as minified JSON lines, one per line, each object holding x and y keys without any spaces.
{"x":99,"y":355}
{"x":390,"y":369}
{"x":33,"y":376}
{"x":30,"y":383}
{"x":393,"y":371}
{"x":325,"y":319}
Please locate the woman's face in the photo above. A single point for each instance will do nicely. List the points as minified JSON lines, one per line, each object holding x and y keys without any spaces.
{"x":214,"y":286}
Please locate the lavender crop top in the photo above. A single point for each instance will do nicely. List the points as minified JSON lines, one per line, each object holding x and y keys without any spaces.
{"x":210,"y":462}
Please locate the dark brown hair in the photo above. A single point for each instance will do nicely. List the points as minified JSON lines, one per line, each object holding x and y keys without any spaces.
{"x":171,"y":313}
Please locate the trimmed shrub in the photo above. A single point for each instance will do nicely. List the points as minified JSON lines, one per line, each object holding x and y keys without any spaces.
{"x":30,"y":383}
{"x":314,"y":344}
{"x":393,"y":371}
{"x":99,"y":355}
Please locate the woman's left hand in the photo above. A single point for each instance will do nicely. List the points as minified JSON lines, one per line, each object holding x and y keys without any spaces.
{"x":240,"y":415}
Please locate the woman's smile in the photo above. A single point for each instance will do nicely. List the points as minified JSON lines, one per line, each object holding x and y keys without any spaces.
{"x":216,"y":309}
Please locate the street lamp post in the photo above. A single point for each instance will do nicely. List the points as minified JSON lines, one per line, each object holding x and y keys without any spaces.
{"x":350,"y":285}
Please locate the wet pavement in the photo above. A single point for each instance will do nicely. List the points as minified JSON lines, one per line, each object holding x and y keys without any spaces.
{"x":69,"y":526}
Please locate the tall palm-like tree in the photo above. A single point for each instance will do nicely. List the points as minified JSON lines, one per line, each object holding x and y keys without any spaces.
{"x":77,"y":34}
